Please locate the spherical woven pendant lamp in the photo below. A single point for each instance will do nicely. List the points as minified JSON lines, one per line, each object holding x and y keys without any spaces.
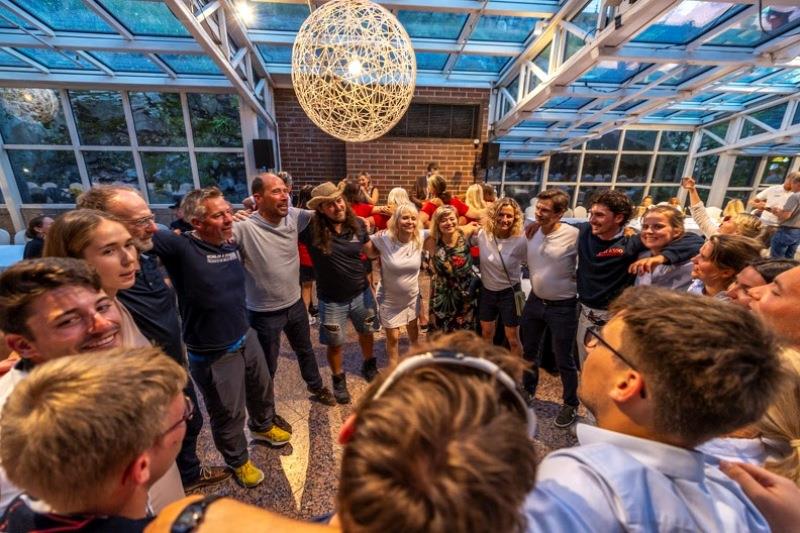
{"x":353,"y":69}
{"x":31,"y":105}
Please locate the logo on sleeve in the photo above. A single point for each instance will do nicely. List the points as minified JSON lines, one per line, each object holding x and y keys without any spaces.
{"x":612,"y":252}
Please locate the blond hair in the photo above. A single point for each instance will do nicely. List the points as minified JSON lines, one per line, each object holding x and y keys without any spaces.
{"x":72,"y":427}
{"x":781,"y":422}
{"x":397,"y":196}
{"x":748,"y":225}
{"x":675,"y":218}
{"x":437,"y":216}
{"x":474,"y":197}
{"x":72,"y":232}
{"x":489,"y":221}
{"x":392,"y":226}
{"x":733,"y":207}
{"x":423,"y":444}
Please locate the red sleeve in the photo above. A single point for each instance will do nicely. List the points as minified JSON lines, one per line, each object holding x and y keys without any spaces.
{"x":429,"y":208}
{"x":305,"y":257}
{"x":380,"y":221}
{"x":362,"y":210}
{"x":460,"y":206}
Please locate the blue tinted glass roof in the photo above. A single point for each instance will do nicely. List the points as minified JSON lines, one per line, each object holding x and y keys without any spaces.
{"x":145,"y":17}
{"x":686,"y":73}
{"x":629,"y":105}
{"x":749,"y":32}
{"x":431,"y":61}
{"x":432,"y":25}
{"x":508,"y":29}
{"x":587,"y":18}
{"x":790,"y":77}
{"x":476,"y":63}
{"x":67,"y":15}
{"x":687,"y":21}
{"x":7,"y":60}
{"x":613,"y":72}
{"x":276,"y":53}
{"x":535,"y":124}
{"x":52,"y":59}
{"x":10,"y":20}
{"x":126,"y":62}
{"x":757,"y":74}
{"x":563,"y":102}
{"x":190,"y":64}
{"x":274,"y":16}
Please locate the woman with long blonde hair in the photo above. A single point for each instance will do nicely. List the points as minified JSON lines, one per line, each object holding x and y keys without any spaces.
{"x":399,"y":248}
{"x":474,"y":198}
{"x":740,"y":223}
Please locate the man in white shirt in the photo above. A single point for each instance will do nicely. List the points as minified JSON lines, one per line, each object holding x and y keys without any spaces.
{"x":773,"y":197}
{"x":668,"y":372}
{"x":552,"y":302}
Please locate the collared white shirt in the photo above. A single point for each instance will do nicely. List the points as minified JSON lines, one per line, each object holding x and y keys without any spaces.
{"x":616,"y":482}
{"x":775,"y":196}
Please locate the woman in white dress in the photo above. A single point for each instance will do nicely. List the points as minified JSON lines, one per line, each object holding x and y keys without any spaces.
{"x":399,"y":248}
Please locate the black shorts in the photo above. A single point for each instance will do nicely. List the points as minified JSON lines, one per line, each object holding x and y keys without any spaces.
{"x":307,"y":274}
{"x":493,"y":303}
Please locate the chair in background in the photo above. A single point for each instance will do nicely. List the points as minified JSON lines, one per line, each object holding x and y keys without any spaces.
{"x":5,"y":237}
{"x":580,"y":212}
{"x":20,"y":237}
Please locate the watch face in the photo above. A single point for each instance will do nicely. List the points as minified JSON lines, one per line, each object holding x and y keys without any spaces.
{"x":188,"y":520}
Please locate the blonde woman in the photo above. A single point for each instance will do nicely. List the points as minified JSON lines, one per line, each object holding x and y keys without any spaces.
{"x":400,"y":251}
{"x":474,"y":199}
{"x":733,"y":208}
{"x":732,"y":224}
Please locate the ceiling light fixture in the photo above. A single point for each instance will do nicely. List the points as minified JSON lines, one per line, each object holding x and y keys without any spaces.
{"x":30,"y":105}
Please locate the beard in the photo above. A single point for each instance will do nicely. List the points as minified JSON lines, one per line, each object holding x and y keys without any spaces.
{"x":143,"y":245}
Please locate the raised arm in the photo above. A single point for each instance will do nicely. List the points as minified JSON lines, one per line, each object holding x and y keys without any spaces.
{"x":698,"y":210}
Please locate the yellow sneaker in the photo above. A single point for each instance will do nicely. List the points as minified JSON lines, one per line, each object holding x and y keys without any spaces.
{"x":248,"y":475}
{"x":274,"y":435}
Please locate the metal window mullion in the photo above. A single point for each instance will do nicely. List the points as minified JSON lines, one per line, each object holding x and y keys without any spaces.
{"x":75,"y":138}
{"x":187,"y":124}
{"x":10,"y":190}
{"x":137,"y":159}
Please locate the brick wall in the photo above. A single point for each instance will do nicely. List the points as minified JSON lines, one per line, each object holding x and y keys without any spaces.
{"x":312,"y":156}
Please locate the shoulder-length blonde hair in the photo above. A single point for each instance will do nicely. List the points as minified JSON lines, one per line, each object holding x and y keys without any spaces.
{"x":72,"y":232}
{"x":490,"y":219}
{"x":437,"y":216}
{"x":733,"y":207}
{"x":392,"y":226}
{"x":474,"y":197}
{"x":398,"y":196}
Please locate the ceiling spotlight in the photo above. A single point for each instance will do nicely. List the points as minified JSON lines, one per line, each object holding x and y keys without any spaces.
{"x":245,"y":12}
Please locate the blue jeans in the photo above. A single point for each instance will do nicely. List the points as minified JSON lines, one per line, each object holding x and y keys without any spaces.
{"x":784,"y":243}
{"x":333,"y":317}
{"x":561,"y":317}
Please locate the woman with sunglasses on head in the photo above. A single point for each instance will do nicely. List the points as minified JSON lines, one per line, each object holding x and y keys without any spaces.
{"x":718,"y":262}
{"x":661,"y":225}
{"x":739,"y":224}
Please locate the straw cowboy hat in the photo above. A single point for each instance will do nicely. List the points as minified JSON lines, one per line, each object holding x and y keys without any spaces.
{"x":327,"y":192}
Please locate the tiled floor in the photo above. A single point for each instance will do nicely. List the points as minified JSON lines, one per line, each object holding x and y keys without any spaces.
{"x":301,"y":477}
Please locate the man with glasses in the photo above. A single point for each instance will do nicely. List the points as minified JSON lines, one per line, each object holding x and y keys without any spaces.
{"x":151,"y":303}
{"x":668,"y":372}
{"x":116,"y":420}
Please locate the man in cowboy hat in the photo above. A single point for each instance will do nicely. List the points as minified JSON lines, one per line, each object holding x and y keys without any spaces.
{"x":335,"y":237}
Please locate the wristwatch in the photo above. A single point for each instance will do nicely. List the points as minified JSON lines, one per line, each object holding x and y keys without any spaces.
{"x":192,"y":516}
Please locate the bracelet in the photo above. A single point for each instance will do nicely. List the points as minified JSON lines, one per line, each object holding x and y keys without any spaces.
{"x":192,"y":515}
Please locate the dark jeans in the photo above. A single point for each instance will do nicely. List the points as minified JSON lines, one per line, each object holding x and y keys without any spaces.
{"x":187,"y":460}
{"x":294,"y":322}
{"x":229,"y":383}
{"x":784,"y":243}
{"x":561,"y":317}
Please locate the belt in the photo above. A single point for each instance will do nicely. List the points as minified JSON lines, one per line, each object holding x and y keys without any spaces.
{"x":569,"y":302}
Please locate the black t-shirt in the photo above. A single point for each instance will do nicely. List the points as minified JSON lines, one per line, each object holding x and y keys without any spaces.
{"x":342,"y":274}
{"x":20,"y":518}
{"x":180,"y":225}
{"x":152,"y":304}
{"x":33,"y":248}
{"x":209,"y":281}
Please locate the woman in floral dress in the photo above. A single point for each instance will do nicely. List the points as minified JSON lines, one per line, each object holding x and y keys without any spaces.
{"x":453,"y":297}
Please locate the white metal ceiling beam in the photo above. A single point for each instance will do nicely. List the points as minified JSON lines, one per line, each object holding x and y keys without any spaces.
{"x":24,"y":15}
{"x":25,"y":59}
{"x":106,"y":43}
{"x":784,"y":136}
{"x":541,"y":9}
{"x":109,"y":19}
{"x":87,"y":80}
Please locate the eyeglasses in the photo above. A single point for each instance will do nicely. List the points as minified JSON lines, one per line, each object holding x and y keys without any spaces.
{"x":188,"y":414}
{"x":141,"y":222}
{"x":592,"y":337}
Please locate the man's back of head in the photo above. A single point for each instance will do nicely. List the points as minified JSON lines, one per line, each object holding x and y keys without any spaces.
{"x":444,"y":448}
{"x":86,"y":434}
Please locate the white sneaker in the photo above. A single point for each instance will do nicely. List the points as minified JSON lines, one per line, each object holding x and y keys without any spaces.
{"x":312,"y":320}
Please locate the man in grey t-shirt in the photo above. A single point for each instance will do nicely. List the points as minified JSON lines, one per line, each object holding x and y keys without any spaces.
{"x":787,"y":238}
{"x":268,"y":244}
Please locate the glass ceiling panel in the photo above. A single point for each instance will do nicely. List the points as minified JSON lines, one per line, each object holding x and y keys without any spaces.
{"x":52,"y":59}
{"x":687,"y":21}
{"x":790,"y":77}
{"x":613,"y":72}
{"x":757,"y":74}
{"x":276,"y":53}
{"x":10,"y":20}
{"x":475,"y":63}
{"x":281,"y":17}
{"x":629,"y":105}
{"x":126,"y":62}
{"x":506,"y":29}
{"x":67,"y":15}
{"x":430,"y":61}
{"x":565,"y":102}
{"x":432,"y":25}
{"x":190,"y":64}
{"x":145,"y":17}
{"x":7,"y":60}
{"x":536,"y":124}
{"x":749,"y":32}
{"x":685,"y":74}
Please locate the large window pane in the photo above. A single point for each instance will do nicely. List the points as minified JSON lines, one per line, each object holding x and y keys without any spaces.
{"x":669,"y":168}
{"x":226,"y":171}
{"x":158,"y":118}
{"x":215,"y":120}
{"x":675,"y":141}
{"x":633,"y":168}
{"x":609,"y":141}
{"x":168,"y":176}
{"x":523,"y":172}
{"x":704,"y":169}
{"x":24,"y":129}
{"x":744,"y":171}
{"x":521,"y":193}
{"x":564,"y":167}
{"x":642,"y":140}
{"x":598,"y":167}
{"x":634,"y":193}
{"x":663,"y":194}
{"x":100,"y":118}
{"x":46,"y":176}
{"x":775,"y":171}
{"x":585,"y":194}
{"x":111,"y":168}
{"x":744,"y":196}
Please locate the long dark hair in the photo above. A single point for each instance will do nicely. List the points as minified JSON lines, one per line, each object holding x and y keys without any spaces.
{"x":304,"y":196}
{"x":352,"y":192}
{"x":322,"y":229}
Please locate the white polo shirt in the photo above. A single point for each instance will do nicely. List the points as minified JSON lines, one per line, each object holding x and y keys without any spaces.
{"x":775,"y":196}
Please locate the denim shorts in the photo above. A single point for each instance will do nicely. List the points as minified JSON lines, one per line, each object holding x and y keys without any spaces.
{"x":333,"y":316}
{"x":494,"y":303}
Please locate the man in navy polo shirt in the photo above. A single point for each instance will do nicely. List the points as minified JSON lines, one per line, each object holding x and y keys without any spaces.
{"x":209,"y":278}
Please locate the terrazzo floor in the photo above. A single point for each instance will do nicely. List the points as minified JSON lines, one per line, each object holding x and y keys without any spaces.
{"x":301,"y":477}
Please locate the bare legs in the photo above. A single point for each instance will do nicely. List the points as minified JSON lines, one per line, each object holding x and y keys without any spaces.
{"x":512,"y":334}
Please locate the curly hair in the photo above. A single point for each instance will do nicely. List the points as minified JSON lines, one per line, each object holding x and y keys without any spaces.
{"x":748,"y":225}
{"x":489,"y":221}
{"x":616,"y":201}
{"x":394,"y":222}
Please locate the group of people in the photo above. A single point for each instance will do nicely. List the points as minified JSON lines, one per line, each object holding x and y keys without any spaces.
{"x":686,"y":356}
